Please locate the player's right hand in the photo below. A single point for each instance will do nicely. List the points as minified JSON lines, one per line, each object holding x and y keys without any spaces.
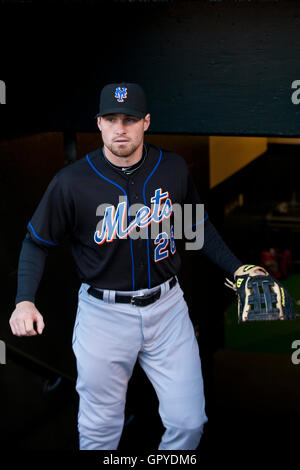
{"x":23,"y":319}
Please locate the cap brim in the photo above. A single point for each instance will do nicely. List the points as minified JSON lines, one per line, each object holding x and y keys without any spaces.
{"x":121,"y":110}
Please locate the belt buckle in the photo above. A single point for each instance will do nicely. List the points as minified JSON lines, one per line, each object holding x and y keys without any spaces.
{"x":136,"y":298}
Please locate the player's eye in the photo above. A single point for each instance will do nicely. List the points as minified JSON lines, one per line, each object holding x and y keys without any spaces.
{"x":130,"y":120}
{"x":109,"y":118}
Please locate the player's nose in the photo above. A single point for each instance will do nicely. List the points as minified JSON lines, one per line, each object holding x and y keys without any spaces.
{"x":120,"y":127}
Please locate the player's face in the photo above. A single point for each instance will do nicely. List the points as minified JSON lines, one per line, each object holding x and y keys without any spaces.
{"x":123,"y":134}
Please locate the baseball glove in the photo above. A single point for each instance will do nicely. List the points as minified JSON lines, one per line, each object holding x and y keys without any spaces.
{"x":260,"y":297}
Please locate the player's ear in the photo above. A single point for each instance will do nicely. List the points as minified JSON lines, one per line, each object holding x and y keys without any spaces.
{"x":99,"y":122}
{"x":146,"y":122}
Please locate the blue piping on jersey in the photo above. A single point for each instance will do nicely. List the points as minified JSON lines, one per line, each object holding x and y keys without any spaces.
{"x":122,"y":189}
{"x":41,"y":239}
{"x":144,"y":197}
{"x":198,"y":223}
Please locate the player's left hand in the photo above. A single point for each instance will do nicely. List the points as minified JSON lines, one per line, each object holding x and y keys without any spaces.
{"x":258,"y":270}
{"x":260,"y":297}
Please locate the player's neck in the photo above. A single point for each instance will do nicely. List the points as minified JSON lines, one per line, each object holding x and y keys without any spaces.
{"x":124,"y":161}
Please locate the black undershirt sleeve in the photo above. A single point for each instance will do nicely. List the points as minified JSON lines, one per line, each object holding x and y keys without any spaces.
{"x":49,"y":224}
{"x":214,"y":246}
{"x":217,"y":251}
{"x":30,"y":270}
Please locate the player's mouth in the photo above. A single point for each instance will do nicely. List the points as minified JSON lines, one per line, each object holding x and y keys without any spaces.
{"x":121,"y":141}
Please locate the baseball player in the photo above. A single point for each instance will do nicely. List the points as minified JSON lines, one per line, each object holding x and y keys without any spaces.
{"x":130,"y":304}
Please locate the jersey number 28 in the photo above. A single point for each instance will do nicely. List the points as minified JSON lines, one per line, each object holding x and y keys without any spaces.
{"x":162,"y":240}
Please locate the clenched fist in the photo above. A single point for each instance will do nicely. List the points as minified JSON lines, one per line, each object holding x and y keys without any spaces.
{"x":24,"y":318}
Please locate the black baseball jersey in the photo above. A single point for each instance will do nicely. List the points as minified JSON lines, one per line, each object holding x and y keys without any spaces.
{"x":99,"y":207}
{"x":108,"y":257}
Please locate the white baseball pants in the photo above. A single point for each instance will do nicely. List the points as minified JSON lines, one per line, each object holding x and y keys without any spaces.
{"x":108,"y":338}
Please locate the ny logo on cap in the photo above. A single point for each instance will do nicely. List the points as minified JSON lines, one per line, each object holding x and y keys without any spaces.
{"x":121,"y":94}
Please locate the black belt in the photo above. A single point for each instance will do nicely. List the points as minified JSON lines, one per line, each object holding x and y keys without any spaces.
{"x":137,"y":300}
